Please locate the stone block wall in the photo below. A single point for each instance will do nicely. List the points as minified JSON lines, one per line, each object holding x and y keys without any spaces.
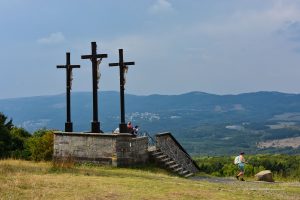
{"x":108,"y":149}
{"x":139,"y":149}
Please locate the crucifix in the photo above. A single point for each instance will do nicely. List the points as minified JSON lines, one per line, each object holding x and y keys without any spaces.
{"x":69,"y":78}
{"x":123,"y":69}
{"x":96,"y":76}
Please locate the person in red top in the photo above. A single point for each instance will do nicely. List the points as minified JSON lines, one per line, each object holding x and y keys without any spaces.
{"x":129,"y":127}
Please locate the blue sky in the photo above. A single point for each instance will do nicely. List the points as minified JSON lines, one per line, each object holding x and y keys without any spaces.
{"x":215,"y":46}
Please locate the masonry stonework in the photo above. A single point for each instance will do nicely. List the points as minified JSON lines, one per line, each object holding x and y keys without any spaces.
{"x":171,"y":147}
{"x":107,"y":149}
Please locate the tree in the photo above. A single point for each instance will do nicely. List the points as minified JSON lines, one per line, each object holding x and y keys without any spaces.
{"x":9,"y":125}
{"x":5,"y":137}
{"x":19,"y":136}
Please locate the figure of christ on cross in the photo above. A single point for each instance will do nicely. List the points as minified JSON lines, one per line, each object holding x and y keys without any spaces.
{"x":68,"y":67}
{"x":95,"y":63}
{"x":123,"y":68}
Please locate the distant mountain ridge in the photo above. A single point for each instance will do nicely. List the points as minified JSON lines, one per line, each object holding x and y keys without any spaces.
{"x":204,"y":123}
{"x":189,"y":109}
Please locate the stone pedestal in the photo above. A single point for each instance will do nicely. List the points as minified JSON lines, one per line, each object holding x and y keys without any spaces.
{"x":123,"y":128}
{"x":68,"y":127}
{"x":95,"y":127}
{"x":108,"y":149}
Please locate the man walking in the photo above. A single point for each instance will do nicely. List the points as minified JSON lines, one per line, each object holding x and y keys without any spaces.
{"x":241,"y":166}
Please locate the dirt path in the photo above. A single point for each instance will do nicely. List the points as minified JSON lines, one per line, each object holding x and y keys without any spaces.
{"x":214,"y":179}
{"x":232,"y":180}
{"x":273,"y":190}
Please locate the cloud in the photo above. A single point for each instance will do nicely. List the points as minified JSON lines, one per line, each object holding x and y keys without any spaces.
{"x":53,"y":38}
{"x":161,"y":6}
{"x":250,"y":21}
{"x":291,"y":30}
{"x":140,"y":45}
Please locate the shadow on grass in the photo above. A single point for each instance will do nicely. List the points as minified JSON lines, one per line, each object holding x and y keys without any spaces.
{"x":145,"y":171}
{"x":21,"y":166}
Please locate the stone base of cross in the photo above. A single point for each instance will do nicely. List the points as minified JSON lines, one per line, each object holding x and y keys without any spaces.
{"x":68,"y":127}
{"x":96,"y":127}
{"x":123,"y":128}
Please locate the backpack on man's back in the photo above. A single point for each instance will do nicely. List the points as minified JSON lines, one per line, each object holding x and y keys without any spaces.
{"x":236,"y":160}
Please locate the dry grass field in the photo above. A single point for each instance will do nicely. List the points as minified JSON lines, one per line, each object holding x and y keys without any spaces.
{"x":30,"y":180}
{"x":287,"y":142}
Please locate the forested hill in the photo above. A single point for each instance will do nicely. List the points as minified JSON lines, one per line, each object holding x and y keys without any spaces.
{"x":187,"y":115}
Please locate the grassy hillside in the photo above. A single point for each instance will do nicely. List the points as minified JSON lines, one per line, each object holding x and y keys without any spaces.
{"x":29,"y":180}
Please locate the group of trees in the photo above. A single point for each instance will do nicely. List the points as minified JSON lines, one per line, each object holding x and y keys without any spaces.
{"x":282,"y":166}
{"x":18,"y":143}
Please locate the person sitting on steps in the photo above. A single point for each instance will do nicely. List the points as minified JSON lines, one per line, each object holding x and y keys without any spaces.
{"x":136,"y":130}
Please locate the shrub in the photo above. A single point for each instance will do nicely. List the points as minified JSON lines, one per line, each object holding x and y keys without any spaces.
{"x":282,"y":166}
{"x":40,"y":145}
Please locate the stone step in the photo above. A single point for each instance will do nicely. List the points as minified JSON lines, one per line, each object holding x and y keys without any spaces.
{"x":189,"y":175}
{"x":172,"y":162}
{"x":161,"y":157}
{"x":184,"y":172}
{"x":173,"y":166}
{"x":151,"y":148}
{"x":157,"y":153}
{"x":169,"y":163}
{"x":165,"y":160}
{"x":177,"y":169}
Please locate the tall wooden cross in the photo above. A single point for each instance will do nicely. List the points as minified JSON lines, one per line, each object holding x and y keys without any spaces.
{"x":68,"y":67}
{"x":123,"y":68}
{"x":95,"y":63}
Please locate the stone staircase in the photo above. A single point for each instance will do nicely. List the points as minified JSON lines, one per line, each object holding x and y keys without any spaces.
{"x":169,"y":163}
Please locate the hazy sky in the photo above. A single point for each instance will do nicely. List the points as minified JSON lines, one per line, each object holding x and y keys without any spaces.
{"x":215,"y":46}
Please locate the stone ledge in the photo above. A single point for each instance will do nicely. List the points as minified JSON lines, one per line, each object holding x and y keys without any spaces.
{"x":84,"y":134}
{"x":140,"y":138}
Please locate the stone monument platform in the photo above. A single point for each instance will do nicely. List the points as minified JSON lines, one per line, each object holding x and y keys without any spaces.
{"x":100,"y":148}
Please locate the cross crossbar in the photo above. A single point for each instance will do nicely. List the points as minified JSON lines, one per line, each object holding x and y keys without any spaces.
{"x":94,"y":56}
{"x":118,"y":64}
{"x":65,"y":66}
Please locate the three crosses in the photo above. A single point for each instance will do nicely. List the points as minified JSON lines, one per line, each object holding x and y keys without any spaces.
{"x":96,"y":60}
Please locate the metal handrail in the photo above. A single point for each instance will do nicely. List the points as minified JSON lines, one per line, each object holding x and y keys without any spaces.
{"x":151,"y":140}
